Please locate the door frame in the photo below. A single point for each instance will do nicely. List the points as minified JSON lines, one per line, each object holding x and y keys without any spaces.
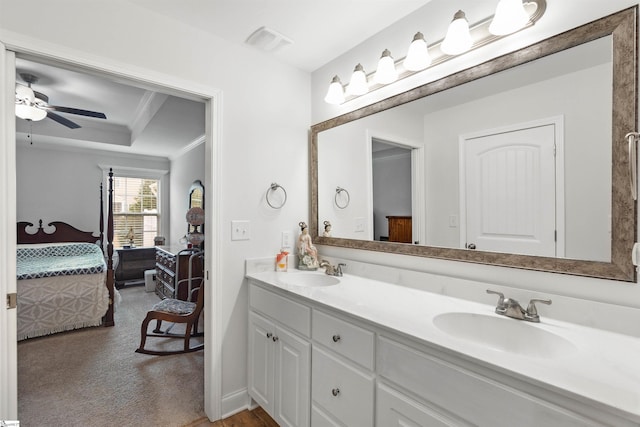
{"x":213,"y":137}
{"x":558,"y":123}
{"x":417,"y":180}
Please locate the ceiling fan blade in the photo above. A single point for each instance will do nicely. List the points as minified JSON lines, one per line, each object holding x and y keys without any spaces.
{"x":63,"y":121}
{"x":77,"y":111}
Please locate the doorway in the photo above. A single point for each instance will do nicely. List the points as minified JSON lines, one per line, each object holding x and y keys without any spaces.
{"x":396,"y":199}
{"x":211,"y":97}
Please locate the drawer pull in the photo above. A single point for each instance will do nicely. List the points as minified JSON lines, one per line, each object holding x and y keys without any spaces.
{"x":336,"y":338}
{"x":275,"y":338}
{"x":335,"y":391}
{"x":269,"y":334}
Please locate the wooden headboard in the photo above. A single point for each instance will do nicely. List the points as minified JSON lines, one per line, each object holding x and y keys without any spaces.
{"x":63,"y":232}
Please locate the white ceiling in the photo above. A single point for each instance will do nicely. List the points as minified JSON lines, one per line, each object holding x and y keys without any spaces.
{"x":149,"y":123}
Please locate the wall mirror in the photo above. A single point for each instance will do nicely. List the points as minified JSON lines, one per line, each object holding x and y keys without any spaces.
{"x":196,"y":199}
{"x":545,"y":124}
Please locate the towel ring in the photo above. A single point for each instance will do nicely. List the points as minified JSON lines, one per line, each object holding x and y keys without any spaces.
{"x":272,"y":188}
{"x":335,"y":198}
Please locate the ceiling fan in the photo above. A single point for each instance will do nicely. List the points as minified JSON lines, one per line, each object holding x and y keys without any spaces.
{"x":34,"y":106}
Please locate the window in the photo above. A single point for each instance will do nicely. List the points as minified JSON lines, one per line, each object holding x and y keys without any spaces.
{"x":136,"y":211}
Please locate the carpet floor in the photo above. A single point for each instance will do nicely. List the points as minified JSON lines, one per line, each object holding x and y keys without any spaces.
{"x":93,"y":377}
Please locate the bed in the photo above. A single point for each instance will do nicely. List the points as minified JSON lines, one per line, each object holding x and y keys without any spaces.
{"x":65,"y":280}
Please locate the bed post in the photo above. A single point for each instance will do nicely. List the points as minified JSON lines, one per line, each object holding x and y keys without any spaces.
{"x":101,"y":219}
{"x":108,"y":318}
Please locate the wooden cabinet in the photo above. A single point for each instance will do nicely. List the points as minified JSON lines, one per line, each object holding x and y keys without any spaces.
{"x":172,"y":271}
{"x":279,"y":359}
{"x":400,"y":229}
{"x":132,"y":264}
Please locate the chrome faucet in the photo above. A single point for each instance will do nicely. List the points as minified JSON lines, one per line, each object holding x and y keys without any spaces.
{"x":332,"y":270}
{"x":511,"y":308}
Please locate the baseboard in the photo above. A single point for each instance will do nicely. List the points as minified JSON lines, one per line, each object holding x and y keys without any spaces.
{"x":235,"y":402}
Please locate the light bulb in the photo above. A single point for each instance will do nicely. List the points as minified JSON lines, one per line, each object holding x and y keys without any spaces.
{"x":418,"y":55}
{"x":510,"y":17}
{"x":386,"y":72}
{"x":335,"y":94}
{"x":458,"y":39}
{"x":358,"y":83}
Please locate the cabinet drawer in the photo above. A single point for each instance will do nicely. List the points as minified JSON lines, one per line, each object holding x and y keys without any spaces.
{"x":344,"y":338}
{"x":343,"y":391}
{"x":393,"y":409}
{"x":487,"y":403}
{"x":295,"y":316}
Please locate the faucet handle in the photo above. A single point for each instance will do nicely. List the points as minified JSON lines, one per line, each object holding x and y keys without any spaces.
{"x":532,"y":312}
{"x":501,"y":306}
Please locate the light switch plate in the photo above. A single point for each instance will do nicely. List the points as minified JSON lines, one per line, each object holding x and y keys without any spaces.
{"x":359,"y":224}
{"x":240,"y":230}
{"x":286,"y":239}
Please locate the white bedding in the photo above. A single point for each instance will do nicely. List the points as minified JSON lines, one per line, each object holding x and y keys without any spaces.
{"x":54,"y":304}
{"x":60,"y":287}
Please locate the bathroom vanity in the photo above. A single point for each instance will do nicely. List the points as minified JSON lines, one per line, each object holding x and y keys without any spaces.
{"x":352,"y":351}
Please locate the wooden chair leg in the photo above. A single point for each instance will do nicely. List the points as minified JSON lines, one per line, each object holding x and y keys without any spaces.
{"x":143,"y":332}
{"x":157,"y":330}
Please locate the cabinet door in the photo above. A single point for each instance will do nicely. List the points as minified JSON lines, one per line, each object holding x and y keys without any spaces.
{"x":292,"y":376}
{"x":261,"y":359}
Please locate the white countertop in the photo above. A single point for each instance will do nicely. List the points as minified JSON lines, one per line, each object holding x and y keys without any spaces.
{"x":604,"y":367}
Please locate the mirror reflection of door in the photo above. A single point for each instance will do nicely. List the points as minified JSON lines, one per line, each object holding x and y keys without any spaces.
{"x":509,"y":192}
{"x":391,"y":171}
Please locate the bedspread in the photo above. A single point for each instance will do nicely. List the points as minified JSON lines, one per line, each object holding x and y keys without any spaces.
{"x":61,"y":287}
{"x":35,"y":261}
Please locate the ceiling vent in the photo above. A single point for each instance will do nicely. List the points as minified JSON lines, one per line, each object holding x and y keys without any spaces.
{"x":268,"y":40}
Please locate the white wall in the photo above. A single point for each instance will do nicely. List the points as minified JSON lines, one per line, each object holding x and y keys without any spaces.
{"x":264,"y":130}
{"x":64,"y":185}
{"x":432,"y":21}
{"x":185,"y":169}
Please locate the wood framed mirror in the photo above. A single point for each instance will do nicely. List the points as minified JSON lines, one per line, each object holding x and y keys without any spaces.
{"x":617,"y":31}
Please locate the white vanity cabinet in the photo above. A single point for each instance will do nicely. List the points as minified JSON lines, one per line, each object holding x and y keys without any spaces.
{"x":342,"y":376}
{"x":452,"y":395}
{"x":279,"y":357}
{"x":318,"y":361}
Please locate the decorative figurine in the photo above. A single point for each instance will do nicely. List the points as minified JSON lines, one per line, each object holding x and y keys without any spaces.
{"x":131,"y":235}
{"x":327,"y":229}
{"x":307,"y":253}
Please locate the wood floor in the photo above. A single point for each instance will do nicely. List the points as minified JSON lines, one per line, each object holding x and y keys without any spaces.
{"x":256,"y":418}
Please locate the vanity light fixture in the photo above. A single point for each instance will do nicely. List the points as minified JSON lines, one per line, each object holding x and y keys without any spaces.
{"x":458,"y":39}
{"x":418,"y":57}
{"x":335,"y":94}
{"x":507,"y":20}
{"x":510,"y":16}
{"x":358,"y":84}
{"x":386,"y":72}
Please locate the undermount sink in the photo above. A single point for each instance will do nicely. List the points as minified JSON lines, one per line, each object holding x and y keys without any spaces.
{"x":308,"y":279}
{"x":504,"y":334}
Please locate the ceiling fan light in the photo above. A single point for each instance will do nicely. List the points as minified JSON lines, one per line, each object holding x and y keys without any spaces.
{"x":510,"y":17}
{"x":25,"y":94}
{"x":418,"y":55}
{"x":335,"y":94}
{"x":458,"y":39}
{"x":29,"y":112}
{"x":386,"y":72}
{"x":358,"y":83}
